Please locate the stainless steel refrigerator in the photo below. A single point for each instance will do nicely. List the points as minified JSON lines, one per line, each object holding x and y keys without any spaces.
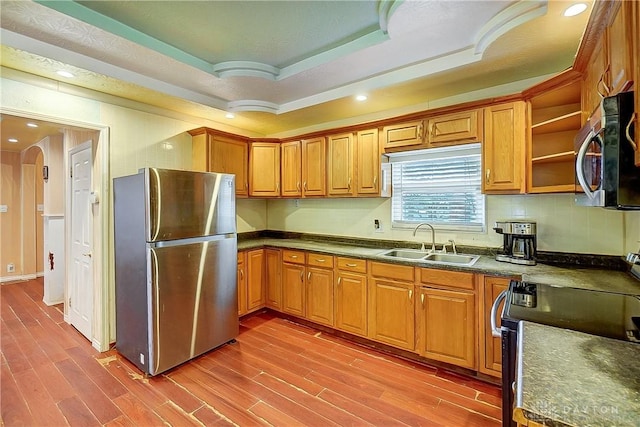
{"x":175,"y":265}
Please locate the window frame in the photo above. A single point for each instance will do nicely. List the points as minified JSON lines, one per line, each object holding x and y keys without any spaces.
{"x":435,"y":153}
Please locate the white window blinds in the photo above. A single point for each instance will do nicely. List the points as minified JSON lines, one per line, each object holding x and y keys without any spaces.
{"x":440,"y":186}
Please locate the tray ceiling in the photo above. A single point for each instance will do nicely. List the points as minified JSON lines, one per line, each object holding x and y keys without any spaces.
{"x":283,"y":65}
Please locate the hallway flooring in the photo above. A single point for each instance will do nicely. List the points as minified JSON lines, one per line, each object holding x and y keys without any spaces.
{"x":278,"y":373}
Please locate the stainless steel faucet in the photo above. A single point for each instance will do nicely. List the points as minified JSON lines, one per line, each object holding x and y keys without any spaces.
{"x":433,"y":235}
{"x":453,"y":246}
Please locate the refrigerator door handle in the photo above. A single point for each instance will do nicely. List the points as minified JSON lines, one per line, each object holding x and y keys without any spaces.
{"x":181,"y":242}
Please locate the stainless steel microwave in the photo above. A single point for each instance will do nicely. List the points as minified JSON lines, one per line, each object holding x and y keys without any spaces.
{"x":604,"y":151}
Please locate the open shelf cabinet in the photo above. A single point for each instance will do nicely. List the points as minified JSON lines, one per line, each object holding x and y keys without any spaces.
{"x":555,"y":119}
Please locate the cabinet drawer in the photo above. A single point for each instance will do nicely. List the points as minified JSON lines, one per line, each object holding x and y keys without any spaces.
{"x":296,"y":257}
{"x":320,"y":260}
{"x":351,"y":264}
{"x":392,"y":271}
{"x":450,"y":279}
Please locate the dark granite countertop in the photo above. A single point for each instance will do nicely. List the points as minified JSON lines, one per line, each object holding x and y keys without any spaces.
{"x":565,"y":276}
{"x":568,"y":378}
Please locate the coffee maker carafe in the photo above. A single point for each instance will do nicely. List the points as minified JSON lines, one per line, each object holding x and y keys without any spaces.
{"x":519,"y":241}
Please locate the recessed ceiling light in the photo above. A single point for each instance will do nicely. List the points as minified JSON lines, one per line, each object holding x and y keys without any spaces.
{"x":12,"y":140}
{"x":361,"y":98}
{"x":230,"y":116}
{"x":32,"y":125}
{"x":64,"y":73}
{"x":575,"y":9}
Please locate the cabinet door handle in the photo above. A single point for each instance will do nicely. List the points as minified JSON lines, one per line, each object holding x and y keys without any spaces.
{"x":320,"y":260}
{"x":301,"y":277}
{"x":298,"y":185}
{"x":627,"y":132}
{"x":349,"y":184}
{"x":339,"y":280}
{"x":422,"y":299}
{"x":488,"y":174}
{"x":294,"y":256}
{"x":246,"y":185}
{"x":309,"y":277}
{"x":277,"y":188}
{"x":375,"y":181}
{"x":410,"y":294}
{"x":351,"y":265}
{"x":241,"y":274}
{"x":601,"y":81}
{"x":304,"y":185}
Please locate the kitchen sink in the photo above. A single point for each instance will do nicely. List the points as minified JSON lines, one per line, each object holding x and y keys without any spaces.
{"x":430,"y":257}
{"x":405,"y":253}
{"x":457,"y":259}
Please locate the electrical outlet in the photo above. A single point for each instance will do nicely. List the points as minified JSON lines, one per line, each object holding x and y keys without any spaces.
{"x":11,"y":268}
{"x":377,"y":226}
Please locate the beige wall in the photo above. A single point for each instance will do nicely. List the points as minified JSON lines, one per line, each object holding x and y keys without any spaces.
{"x":632,"y":222}
{"x":10,"y":223}
{"x":562,"y":226}
{"x":39,"y":218}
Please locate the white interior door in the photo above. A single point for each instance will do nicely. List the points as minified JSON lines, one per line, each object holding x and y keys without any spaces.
{"x":81,"y":271}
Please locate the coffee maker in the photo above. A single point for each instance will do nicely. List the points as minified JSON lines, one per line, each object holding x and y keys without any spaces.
{"x":519,"y":241}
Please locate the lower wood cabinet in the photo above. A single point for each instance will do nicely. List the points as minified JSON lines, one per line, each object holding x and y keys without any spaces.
{"x":255,"y":280}
{"x":435,"y":313}
{"x":293,"y":289}
{"x":447,"y":326}
{"x":273,"y":276}
{"x":490,"y":353}
{"x":251,"y":282}
{"x":320,"y":294}
{"x":242,"y":284}
{"x":350,"y":296}
{"x":391,"y":310}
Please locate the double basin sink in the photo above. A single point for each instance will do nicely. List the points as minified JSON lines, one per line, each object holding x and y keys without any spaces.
{"x":431,"y":257}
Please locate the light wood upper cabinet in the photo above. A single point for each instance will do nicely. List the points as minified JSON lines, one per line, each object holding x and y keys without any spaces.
{"x":255,"y":280}
{"x":340,"y":165}
{"x":368,"y":162}
{"x":594,"y":86}
{"x":555,"y":118}
{"x":314,"y":167}
{"x":504,"y":147}
{"x":455,"y":128}
{"x":213,"y":152}
{"x":273,"y":276}
{"x":403,"y":134}
{"x":291,"y":172}
{"x":620,"y":45}
{"x":490,"y":347}
{"x":264,"y":169}
{"x":448,"y":324}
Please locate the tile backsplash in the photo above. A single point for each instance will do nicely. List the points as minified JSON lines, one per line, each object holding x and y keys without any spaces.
{"x":562,"y":226}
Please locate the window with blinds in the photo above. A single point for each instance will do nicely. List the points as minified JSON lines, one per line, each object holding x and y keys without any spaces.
{"x":441,"y":186}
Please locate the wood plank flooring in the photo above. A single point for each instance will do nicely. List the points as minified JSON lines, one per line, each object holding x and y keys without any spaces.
{"x":278,"y":373}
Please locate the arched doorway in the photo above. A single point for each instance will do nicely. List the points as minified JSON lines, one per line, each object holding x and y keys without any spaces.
{"x":32,"y":183}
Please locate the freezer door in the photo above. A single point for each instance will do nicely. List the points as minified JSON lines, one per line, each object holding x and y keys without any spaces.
{"x":185,"y":204}
{"x":193,"y":299}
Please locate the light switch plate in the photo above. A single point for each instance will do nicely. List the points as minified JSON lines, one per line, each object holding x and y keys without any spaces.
{"x":4,"y":208}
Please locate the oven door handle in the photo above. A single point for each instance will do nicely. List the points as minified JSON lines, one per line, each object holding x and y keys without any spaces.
{"x":495,"y":331}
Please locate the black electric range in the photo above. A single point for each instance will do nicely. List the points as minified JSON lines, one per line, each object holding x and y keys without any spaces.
{"x":613,"y":315}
